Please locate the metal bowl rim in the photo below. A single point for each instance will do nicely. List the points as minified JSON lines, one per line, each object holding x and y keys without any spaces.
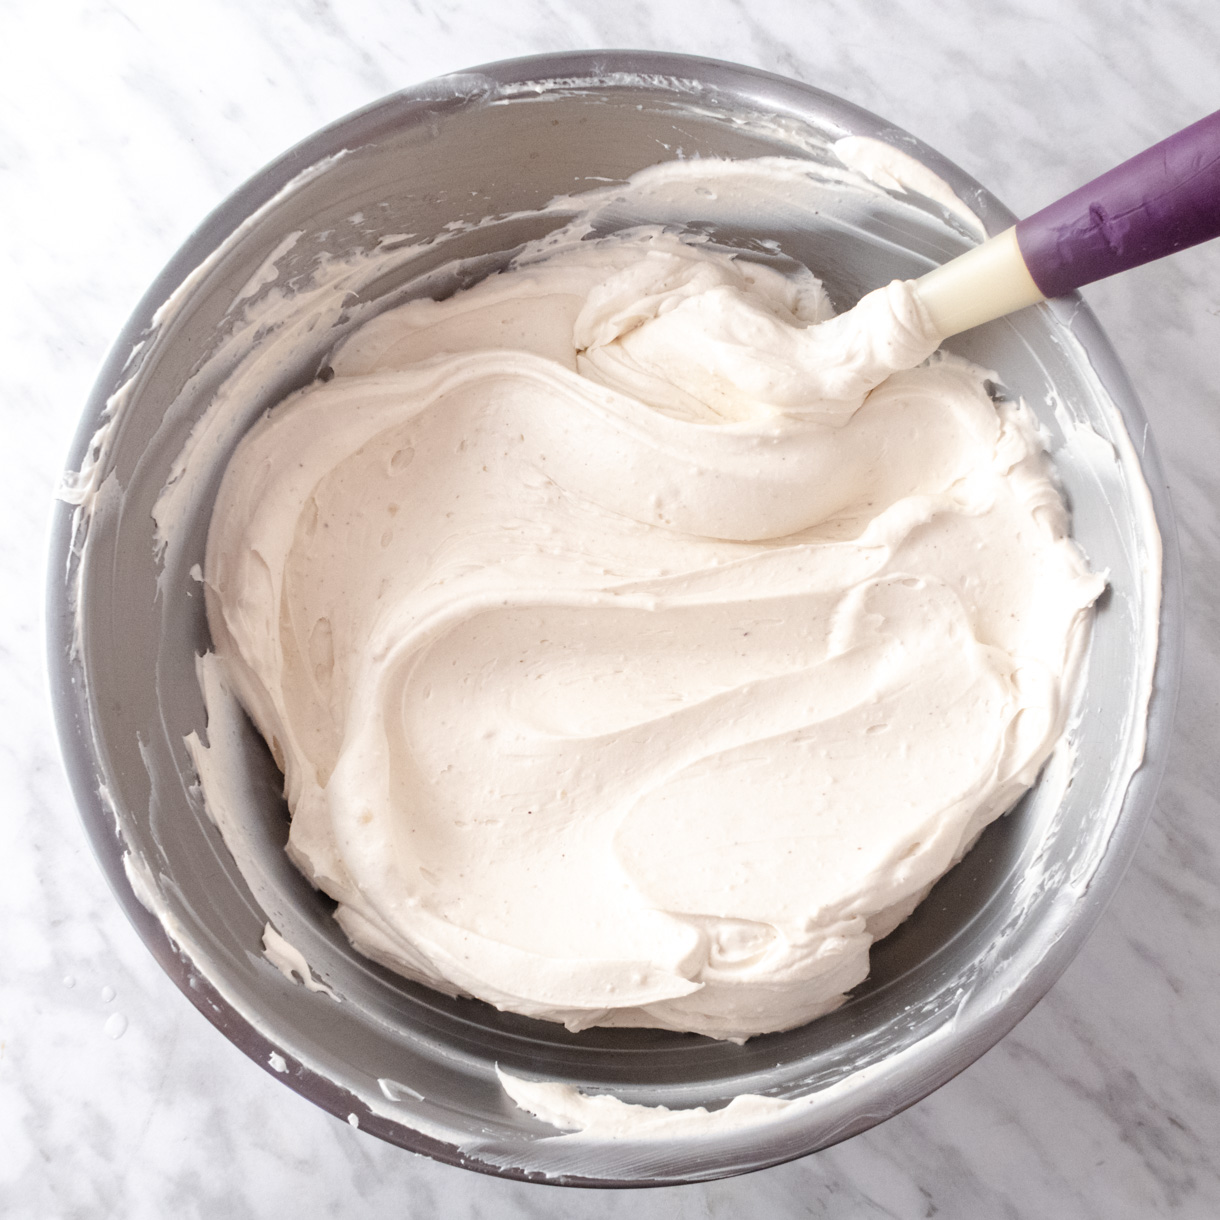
{"x":688,"y":76}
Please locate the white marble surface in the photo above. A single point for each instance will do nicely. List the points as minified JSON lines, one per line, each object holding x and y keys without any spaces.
{"x":121,"y":124}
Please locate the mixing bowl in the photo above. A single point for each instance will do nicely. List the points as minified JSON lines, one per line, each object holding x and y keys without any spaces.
{"x":452,"y":175}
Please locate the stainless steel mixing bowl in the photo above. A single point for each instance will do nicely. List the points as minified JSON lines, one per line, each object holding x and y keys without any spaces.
{"x":415,"y":1067}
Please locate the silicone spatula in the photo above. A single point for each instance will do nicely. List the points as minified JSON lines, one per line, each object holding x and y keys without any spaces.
{"x":1165,"y":199}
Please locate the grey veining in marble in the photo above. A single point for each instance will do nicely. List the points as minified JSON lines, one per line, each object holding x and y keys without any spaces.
{"x":121,"y":124}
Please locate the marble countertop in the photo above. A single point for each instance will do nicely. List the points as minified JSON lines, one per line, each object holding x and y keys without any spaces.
{"x":121,"y":124}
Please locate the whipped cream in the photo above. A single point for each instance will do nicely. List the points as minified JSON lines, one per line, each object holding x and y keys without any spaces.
{"x":606,"y":1117}
{"x":640,"y":642}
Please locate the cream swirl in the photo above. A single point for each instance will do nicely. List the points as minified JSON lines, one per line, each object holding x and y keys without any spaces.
{"x":639,"y":642}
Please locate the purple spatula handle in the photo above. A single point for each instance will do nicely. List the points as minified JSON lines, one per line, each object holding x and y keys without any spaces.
{"x":1162,"y":200}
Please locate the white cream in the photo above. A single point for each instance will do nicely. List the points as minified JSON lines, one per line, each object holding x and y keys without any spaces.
{"x":895,"y":170}
{"x":605,"y":1117}
{"x":290,"y":962}
{"x":639,"y":643}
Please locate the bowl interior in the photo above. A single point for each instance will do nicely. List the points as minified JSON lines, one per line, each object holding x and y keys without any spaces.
{"x":413,"y":1065}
